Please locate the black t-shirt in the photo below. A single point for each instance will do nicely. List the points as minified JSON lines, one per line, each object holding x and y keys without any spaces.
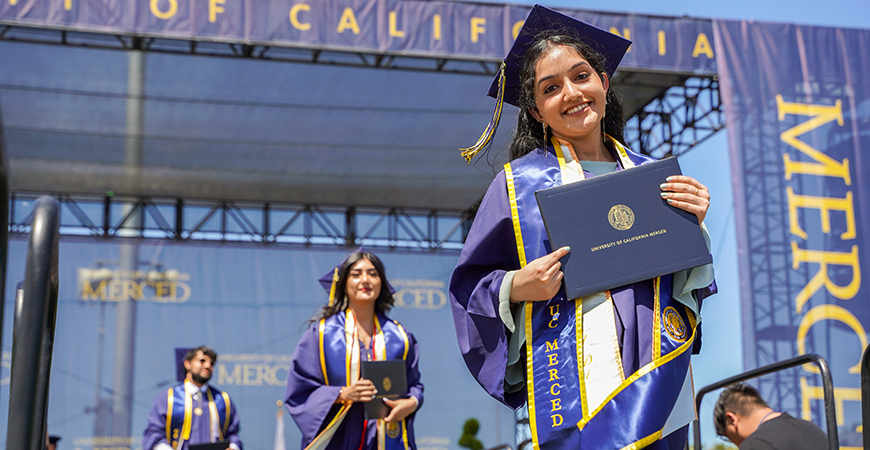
{"x":786,"y":433}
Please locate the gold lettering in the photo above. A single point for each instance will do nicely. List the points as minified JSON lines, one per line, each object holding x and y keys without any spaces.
{"x":394,"y":30}
{"x":555,"y":391}
{"x":555,"y":316}
{"x":554,"y":375}
{"x":823,"y":259}
{"x":248,"y":374}
{"x":662,"y":47}
{"x":702,"y":45}
{"x":294,"y":16}
{"x":477,"y":28}
{"x":88,"y":292}
{"x":515,"y":31}
{"x":226,"y":378}
{"x":348,"y":20}
{"x":829,"y":312}
{"x":824,"y":205}
{"x":161,"y":289}
{"x":557,"y":404}
{"x":557,"y":420}
{"x":214,"y":9}
{"x":67,"y":5}
{"x":436,"y":27}
{"x":819,"y":115}
{"x":841,"y":395}
{"x":164,"y":15}
{"x":553,"y":347}
{"x":553,"y":358}
{"x":626,"y":33}
{"x":173,"y":292}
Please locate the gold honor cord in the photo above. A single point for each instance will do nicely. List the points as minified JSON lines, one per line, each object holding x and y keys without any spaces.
{"x":489,"y":132}
{"x":332,"y":286}
{"x":170,"y":399}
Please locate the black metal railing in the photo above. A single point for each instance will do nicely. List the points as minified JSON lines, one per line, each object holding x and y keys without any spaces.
{"x":827,"y":387}
{"x":865,"y":396}
{"x":33,"y":332}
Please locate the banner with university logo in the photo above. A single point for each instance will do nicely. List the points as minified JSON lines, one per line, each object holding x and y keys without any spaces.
{"x":798,"y":117}
{"x":469,"y":31}
{"x":251,"y":304}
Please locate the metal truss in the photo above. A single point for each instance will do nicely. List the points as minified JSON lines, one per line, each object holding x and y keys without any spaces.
{"x":672,"y":123}
{"x":772,"y":283}
{"x":677,"y":120}
{"x":257,"y":223}
{"x":352,"y":58}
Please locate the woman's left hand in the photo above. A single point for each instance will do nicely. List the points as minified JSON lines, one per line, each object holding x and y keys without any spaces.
{"x":402,"y":407}
{"x":687,"y":194}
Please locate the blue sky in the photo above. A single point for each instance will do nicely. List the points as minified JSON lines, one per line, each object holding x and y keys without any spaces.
{"x":721,"y":356}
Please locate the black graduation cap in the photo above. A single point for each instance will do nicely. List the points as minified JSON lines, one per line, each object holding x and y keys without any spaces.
{"x":329,"y":280}
{"x":52,"y":439}
{"x":505,"y":86}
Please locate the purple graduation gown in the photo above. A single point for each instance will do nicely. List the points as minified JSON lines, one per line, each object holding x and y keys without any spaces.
{"x":311,"y":401}
{"x":490,"y":251}
{"x":155,"y":432}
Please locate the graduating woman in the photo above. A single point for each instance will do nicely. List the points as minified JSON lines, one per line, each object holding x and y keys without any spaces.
{"x":325,"y":393}
{"x":606,"y":371}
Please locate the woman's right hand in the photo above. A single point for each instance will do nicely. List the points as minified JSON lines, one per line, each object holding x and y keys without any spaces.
{"x":540,"y":279}
{"x":361,"y":390}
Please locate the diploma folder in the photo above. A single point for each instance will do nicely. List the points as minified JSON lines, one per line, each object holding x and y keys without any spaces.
{"x":222,"y":445}
{"x":390,"y":380}
{"x":620,"y":229}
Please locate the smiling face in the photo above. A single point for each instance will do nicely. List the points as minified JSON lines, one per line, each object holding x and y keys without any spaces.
{"x":199,"y":369}
{"x":570,"y":96}
{"x":363,"y":283}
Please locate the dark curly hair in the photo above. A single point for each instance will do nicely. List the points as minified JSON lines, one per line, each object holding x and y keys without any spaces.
{"x":383,"y":303}
{"x":207,"y":351}
{"x":529,"y":133}
{"x":739,"y":399}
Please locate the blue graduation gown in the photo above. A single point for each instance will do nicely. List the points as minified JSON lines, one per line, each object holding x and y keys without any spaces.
{"x":200,"y":431}
{"x":311,"y":400}
{"x":491,"y":251}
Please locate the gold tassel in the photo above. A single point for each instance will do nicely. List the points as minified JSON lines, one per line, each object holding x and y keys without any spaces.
{"x":487,"y":135}
{"x":332,"y":287}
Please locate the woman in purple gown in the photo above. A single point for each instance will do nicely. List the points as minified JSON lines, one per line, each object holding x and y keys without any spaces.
{"x":606,"y":371}
{"x":325,"y":393}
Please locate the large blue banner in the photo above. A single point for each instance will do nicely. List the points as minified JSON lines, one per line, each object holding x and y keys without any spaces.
{"x":470,"y":31}
{"x":251,"y":304}
{"x":798,"y":108}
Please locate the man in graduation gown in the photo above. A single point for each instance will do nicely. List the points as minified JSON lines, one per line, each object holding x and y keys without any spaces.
{"x":192,"y":412}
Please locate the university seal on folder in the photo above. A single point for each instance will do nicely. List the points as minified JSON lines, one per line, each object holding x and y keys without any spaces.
{"x":620,"y":229}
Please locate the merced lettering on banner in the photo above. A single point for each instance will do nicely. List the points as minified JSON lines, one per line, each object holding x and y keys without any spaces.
{"x":821,"y":165}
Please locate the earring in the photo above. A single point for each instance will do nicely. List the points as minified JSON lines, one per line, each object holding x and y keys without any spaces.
{"x":545,"y":133}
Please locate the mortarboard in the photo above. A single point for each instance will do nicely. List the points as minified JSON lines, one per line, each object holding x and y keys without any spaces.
{"x":329,"y":280}
{"x":53,"y":439}
{"x":180,"y":371}
{"x":505,"y":86}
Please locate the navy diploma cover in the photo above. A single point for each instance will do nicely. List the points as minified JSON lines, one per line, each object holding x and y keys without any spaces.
{"x":620,"y":229}
{"x":391,"y":382}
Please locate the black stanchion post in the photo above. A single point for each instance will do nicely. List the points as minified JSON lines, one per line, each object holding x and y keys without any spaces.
{"x":33,"y":332}
{"x":865,"y":396}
